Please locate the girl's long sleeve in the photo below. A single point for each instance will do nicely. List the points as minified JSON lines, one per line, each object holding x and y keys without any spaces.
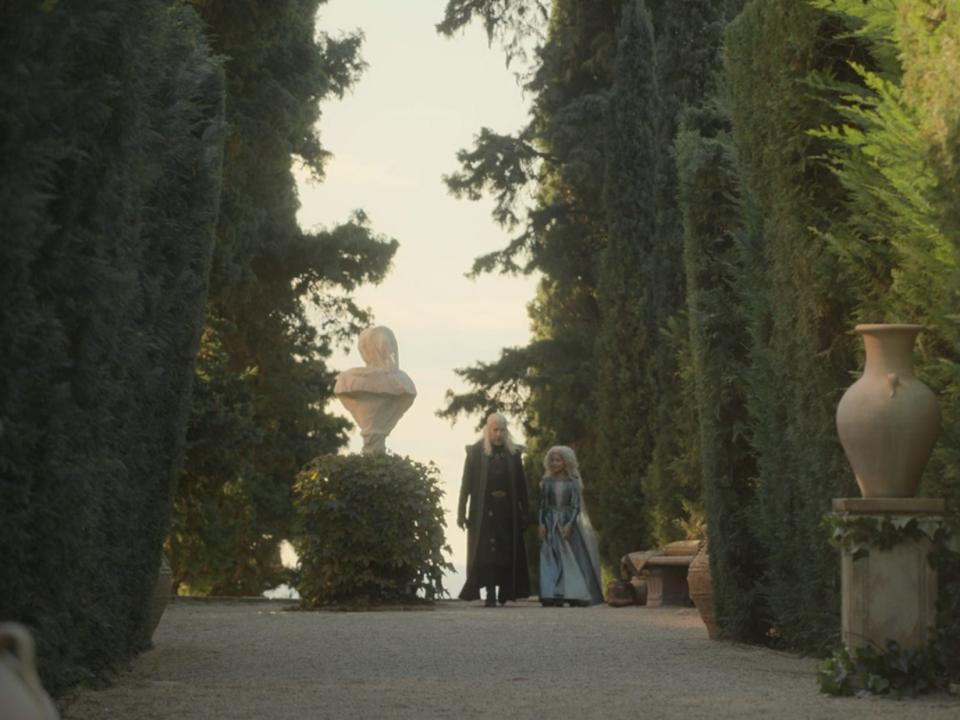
{"x":542,"y":505}
{"x":574,"y":504}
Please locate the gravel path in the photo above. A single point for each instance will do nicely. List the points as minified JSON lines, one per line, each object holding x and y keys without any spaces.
{"x":235,"y":660}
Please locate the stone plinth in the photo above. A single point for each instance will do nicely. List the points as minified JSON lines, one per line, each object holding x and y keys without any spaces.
{"x":889,"y":594}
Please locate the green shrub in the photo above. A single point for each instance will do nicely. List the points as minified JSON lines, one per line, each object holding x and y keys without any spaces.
{"x":370,"y":530}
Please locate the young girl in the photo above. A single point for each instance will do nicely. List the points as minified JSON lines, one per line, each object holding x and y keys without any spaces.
{"x":569,"y":563}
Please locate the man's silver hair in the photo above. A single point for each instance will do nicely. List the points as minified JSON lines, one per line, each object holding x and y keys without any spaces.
{"x":569,"y":460}
{"x":507,"y":440}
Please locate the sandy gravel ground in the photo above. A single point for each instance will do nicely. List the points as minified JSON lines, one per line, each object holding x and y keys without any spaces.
{"x":236,"y":660}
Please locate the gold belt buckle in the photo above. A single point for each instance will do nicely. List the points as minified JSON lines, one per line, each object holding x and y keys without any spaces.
{"x":499,"y":493}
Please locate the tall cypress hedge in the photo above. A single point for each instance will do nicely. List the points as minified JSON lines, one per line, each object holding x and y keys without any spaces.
{"x":708,"y":198}
{"x":688,"y":39}
{"x":628,"y":332}
{"x":647,"y":437}
{"x":796,"y":309}
{"x":111,"y":126}
{"x":816,"y":193}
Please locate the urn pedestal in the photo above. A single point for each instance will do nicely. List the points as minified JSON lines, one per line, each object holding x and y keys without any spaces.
{"x":889,"y":594}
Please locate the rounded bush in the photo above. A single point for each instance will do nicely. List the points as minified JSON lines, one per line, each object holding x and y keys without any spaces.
{"x":370,"y":530}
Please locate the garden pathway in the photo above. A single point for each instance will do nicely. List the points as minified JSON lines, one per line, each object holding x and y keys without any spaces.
{"x":238,"y":660}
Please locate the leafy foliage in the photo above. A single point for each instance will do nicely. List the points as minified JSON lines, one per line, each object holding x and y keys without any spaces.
{"x":370,"y":531}
{"x":945,"y":639}
{"x":894,"y":151}
{"x":896,"y":239}
{"x":858,"y":535}
{"x":516,"y":24}
{"x":279,"y":300}
{"x":111,"y":114}
{"x":892,"y":670}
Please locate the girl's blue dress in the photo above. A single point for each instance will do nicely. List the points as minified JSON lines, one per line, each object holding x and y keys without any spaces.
{"x":568,"y":568}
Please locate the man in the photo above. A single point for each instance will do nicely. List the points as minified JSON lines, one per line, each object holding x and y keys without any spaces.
{"x":493,"y":481}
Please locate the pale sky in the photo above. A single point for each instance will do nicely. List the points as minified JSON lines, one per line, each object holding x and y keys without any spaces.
{"x":422,"y":98}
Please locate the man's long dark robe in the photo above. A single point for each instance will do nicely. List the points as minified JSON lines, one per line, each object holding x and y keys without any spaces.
{"x":473,"y":487}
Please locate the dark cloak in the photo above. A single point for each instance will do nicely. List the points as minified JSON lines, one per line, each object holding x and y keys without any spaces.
{"x":474,"y":487}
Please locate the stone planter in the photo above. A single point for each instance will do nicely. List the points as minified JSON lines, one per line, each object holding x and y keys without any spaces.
{"x":700,"y":584}
{"x":888,"y":420}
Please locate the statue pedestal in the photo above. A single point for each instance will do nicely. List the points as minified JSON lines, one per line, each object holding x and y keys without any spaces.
{"x":890,"y":594}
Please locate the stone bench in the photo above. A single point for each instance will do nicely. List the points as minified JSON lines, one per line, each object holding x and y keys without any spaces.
{"x":662,"y":572}
{"x":667,"y":580}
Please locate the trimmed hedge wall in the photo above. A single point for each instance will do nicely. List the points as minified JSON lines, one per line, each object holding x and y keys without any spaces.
{"x":111,"y":126}
{"x":796,"y":310}
{"x":647,"y":446}
{"x":816,"y":194}
{"x":708,"y":197}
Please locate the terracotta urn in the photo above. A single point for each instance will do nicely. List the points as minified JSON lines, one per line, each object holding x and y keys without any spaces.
{"x":888,"y":420}
{"x":700,"y":586}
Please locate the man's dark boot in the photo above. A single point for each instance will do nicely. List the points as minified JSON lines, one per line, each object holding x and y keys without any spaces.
{"x":491,"y":600}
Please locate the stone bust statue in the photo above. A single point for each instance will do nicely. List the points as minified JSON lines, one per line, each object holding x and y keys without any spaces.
{"x":379,"y":394}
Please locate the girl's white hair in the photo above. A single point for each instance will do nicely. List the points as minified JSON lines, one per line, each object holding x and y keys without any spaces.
{"x":507,"y":439}
{"x":569,"y":460}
